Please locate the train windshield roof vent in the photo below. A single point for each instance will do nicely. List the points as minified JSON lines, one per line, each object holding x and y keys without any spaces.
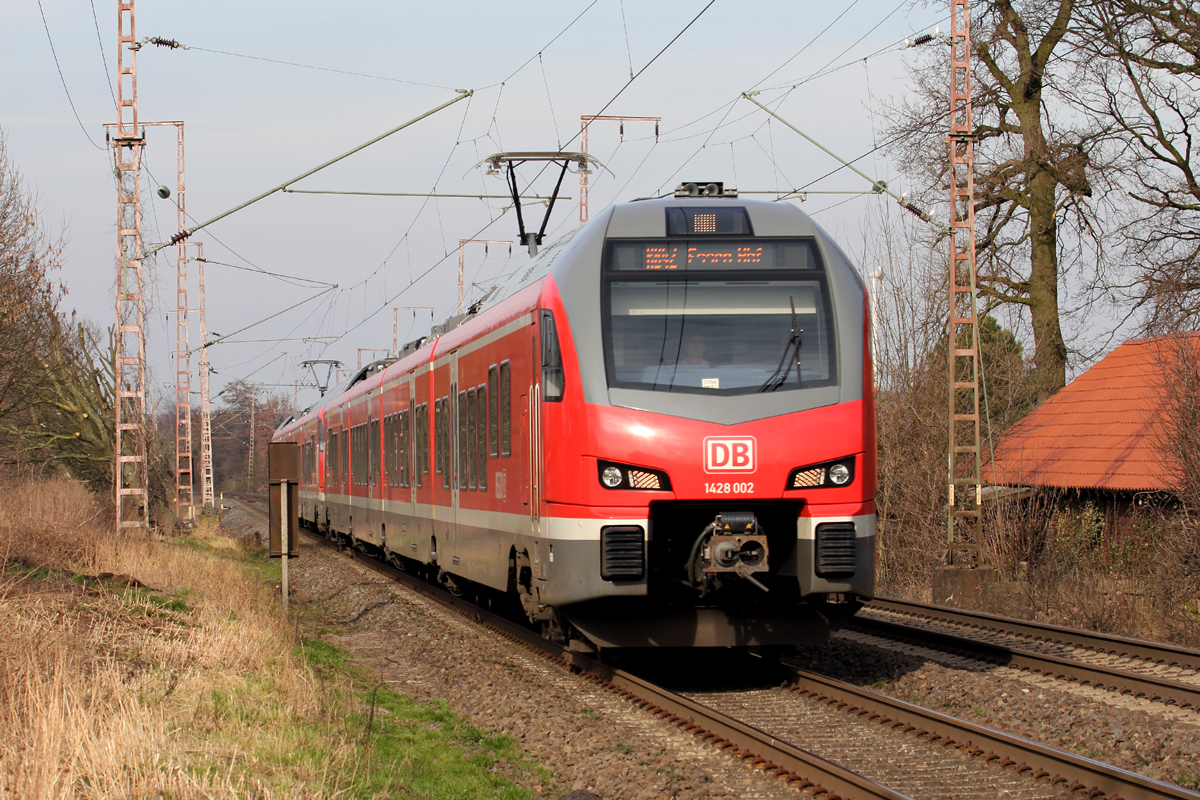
{"x":723,"y":221}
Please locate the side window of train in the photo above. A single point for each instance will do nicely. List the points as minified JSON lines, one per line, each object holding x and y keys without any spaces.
{"x":335,"y":452}
{"x":397,"y":440}
{"x":414,"y":445}
{"x":462,"y":440}
{"x":481,"y":437}
{"x":493,"y":394}
{"x":472,"y":452}
{"x":329,"y":451}
{"x":423,"y":437}
{"x":389,"y":449}
{"x":374,"y":450}
{"x":402,"y":450}
{"x":443,"y":432}
{"x":505,"y":409}
{"x":345,"y":455}
{"x":439,"y":447}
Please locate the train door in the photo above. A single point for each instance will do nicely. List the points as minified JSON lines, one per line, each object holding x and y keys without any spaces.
{"x":445,"y":484}
{"x":408,"y":463}
{"x":426,"y":479}
{"x":535,"y":444}
{"x":375,"y":489}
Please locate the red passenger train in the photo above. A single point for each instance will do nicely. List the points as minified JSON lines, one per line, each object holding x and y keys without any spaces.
{"x":661,"y":432}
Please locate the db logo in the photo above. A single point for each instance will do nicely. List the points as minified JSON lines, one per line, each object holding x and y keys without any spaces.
{"x":729,"y":455}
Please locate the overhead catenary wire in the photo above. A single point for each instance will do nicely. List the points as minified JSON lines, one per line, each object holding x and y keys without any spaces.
{"x":67,"y":91}
{"x":419,"y":194}
{"x":103,"y":56}
{"x":462,"y":95}
{"x":566,"y":144}
{"x":171,"y":44}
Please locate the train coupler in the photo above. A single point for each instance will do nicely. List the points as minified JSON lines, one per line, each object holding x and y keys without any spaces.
{"x":732,"y":544}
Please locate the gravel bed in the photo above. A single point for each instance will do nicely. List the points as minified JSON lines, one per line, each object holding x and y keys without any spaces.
{"x":1126,"y":663}
{"x":1152,"y":739}
{"x":589,"y":738}
{"x":910,"y":764}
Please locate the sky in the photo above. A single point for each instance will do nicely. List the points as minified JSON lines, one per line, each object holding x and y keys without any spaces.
{"x":252,"y":123}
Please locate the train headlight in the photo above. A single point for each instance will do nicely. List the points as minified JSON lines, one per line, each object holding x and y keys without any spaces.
{"x":831,"y":474}
{"x":611,"y":477}
{"x":621,"y":476}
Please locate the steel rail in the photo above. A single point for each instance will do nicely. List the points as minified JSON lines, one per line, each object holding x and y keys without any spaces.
{"x":1153,"y":688}
{"x":1056,"y":634}
{"x":790,"y":763}
{"x":783,"y":760}
{"x":1040,"y":761}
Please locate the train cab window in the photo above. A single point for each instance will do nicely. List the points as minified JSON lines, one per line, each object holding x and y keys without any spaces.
{"x":717,"y":317}
{"x":552,"y":365}
{"x":505,"y":409}
{"x":493,"y":434}
{"x":472,"y":452}
{"x":462,"y":440}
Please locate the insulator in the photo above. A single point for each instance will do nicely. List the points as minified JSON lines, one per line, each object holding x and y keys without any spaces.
{"x":924,"y":38}
{"x":656,"y":131}
{"x":909,"y":207}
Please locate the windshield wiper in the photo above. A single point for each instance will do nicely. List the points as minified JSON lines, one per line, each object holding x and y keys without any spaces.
{"x":780,"y":375}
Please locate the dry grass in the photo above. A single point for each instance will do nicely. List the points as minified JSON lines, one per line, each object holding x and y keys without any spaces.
{"x":178,"y":680}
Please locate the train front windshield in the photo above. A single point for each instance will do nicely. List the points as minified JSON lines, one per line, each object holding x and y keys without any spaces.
{"x":717,"y":317}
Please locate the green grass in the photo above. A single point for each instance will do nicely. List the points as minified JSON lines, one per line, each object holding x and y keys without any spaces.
{"x":1188,"y":780}
{"x":407,"y":748}
{"x":428,"y":751}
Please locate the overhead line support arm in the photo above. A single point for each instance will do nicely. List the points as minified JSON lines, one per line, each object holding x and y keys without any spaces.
{"x":462,"y":95}
{"x":878,"y":186}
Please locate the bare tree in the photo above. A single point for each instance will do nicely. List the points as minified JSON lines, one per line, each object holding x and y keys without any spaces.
{"x":70,"y":424}
{"x":1141,"y":60}
{"x":29,"y":255}
{"x":1033,"y":165}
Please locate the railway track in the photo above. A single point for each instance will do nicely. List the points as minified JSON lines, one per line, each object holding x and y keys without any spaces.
{"x":1157,"y":672}
{"x":859,"y":744}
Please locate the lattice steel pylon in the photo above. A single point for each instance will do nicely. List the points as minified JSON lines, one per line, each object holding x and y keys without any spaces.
{"x":207,"y":495}
{"x":964,"y":509}
{"x":129,"y":353}
{"x":585,"y":122}
{"x":183,"y":355}
{"x":250,"y":457}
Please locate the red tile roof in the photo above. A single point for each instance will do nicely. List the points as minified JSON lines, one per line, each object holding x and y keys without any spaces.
{"x":1103,"y":430}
